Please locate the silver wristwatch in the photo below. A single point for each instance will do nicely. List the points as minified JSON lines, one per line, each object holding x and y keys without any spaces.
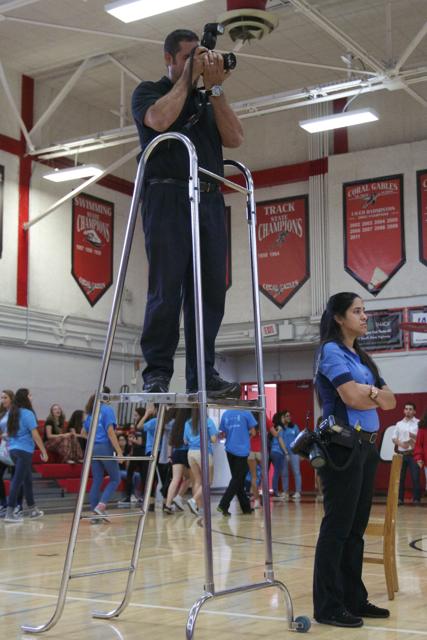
{"x":215,"y":91}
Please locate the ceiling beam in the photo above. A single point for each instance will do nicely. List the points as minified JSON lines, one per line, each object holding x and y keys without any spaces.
{"x":345,"y":40}
{"x":410,"y":48}
{"x":16,"y":4}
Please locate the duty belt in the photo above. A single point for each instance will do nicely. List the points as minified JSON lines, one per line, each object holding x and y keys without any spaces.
{"x":205,"y":187}
{"x":367,"y":436}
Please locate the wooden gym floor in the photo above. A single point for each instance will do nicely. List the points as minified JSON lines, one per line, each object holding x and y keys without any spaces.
{"x":171,"y":575}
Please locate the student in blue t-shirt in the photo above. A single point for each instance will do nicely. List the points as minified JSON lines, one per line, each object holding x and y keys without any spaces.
{"x":22,"y":432}
{"x":289,"y":433}
{"x":106,"y":443}
{"x":237,"y":427}
{"x":192,"y":439}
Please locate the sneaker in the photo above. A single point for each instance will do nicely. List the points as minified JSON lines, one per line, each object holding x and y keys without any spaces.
{"x":3,"y":510}
{"x":133,"y":499}
{"x":285,"y":496}
{"x":152,"y":507}
{"x":400,"y":502}
{"x":192,"y":505}
{"x":369,"y":610}
{"x":319,"y":498}
{"x":168,"y":510}
{"x":100,"y":510}
{"x":12,"y":517}
{"x":342,"y":619}
{"x":35,"y":513}
{"x":156,"y":384}
{"x":179,"y":503}
{"x":296,"y":496}
{"x":18,"y":509}
{"x":224,"y":512}
{"x":276,"y":497}
{"x":256,"y":504}
{"x":124,"y":502}
{"x":248,"y":512}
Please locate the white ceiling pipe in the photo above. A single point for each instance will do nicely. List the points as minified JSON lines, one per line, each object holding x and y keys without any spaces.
{"x":16,"y":4}
{"x":95,"y":147}
{"x":82,"y":187}
{"x":124,"y":68}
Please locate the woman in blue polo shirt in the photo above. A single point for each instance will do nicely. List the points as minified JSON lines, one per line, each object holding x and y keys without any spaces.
{"x":105,"y":444}
{"x":350,"y":388}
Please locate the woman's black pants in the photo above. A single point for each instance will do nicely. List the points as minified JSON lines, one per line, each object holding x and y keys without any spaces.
{"x":338,"y":562}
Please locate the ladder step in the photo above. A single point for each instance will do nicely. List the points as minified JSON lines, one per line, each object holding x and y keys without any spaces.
{"x":85,"y":574}
{"x":180,"y":400}
{"x":123,"y":458}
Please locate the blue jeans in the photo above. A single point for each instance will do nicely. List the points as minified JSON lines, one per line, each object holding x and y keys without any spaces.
{"x":278,"y":460}
{"x":295,"y":463}
{"x":23,"y":477}
{"x":111,"y":467}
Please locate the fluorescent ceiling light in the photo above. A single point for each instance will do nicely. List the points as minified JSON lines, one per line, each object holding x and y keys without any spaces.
{"x":74,"y":173}
{"x":131,"y":10}
{"x":338,"y":120}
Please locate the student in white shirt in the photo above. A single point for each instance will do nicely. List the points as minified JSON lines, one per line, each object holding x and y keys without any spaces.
{"x":404,"y":437}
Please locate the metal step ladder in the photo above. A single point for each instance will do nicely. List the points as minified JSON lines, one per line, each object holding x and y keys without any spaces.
{"x":195,"y":400}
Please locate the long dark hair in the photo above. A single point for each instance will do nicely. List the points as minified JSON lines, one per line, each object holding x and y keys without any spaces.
{"x":423,"y":422}
{"x":176,"y":437}
{"x":76,"y":421}
{"x":330,"y":330}
{"x":195,"y":422}
{"x":20,"y":401}
{"x":10,"y":395}
{"x":89,"y":404}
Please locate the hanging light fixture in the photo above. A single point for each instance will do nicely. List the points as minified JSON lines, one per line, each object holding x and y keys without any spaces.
{"x":74,"y":173}
{"x":132,"y":10}
{"x":338,"y":120}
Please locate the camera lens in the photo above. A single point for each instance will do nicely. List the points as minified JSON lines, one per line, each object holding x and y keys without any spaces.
{"x":230,"y":61}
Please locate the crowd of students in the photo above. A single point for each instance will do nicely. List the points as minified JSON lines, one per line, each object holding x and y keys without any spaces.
{"x":178,"y":466}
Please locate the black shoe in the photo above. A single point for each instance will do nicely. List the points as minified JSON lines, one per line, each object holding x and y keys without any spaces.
{"x":247,"y":512}
{"x":216,"y":387}
{"x":156,"y":384}
{"x":152,"y":507}
{"x":369,"y":610}
{"x":342,"y":619}
{"x":224,"y":512}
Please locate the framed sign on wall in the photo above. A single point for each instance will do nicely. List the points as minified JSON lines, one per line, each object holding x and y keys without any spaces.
{"x":92,"y":245}
{"x":283,"y":247}
{"x":374,"y":239}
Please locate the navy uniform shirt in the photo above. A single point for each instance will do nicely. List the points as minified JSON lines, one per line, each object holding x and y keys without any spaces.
{"x":338,"y":365}
{"x":170,"y":159}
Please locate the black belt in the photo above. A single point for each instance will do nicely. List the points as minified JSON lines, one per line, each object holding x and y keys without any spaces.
{"x":367,"y":436}
{"x":205,"y":187}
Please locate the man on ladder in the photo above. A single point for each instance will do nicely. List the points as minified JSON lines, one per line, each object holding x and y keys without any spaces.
{"x":175,"y":104}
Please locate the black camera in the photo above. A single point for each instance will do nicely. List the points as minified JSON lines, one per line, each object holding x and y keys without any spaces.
{"x":312,"y":445}
{"x":210,"y":33}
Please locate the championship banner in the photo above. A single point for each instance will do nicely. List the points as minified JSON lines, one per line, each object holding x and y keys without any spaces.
{"x":92,"y":245}
{"x":1,"y":208}
{"x":418,"y":339}
{"x":374,"y":242}
{"x":228,"y":231}
{"x":384,"y":332}
{"x":283,"y":247}
{"x":422,"y":214}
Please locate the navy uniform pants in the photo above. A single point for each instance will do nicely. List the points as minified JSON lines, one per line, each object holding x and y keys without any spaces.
{"x":339,"y":552}
{"x":168,"y":243}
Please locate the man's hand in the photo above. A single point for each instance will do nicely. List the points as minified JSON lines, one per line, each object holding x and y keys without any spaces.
{"x":213,"y":69}
{"x":420,"y":463}
{"x":198,"y":64}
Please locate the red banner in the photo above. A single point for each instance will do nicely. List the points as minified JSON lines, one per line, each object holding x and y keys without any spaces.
{"x":422,"y":214}
{"x":283,"y":247}
{"x":92,"y":245}
{"x":374,"y":242}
